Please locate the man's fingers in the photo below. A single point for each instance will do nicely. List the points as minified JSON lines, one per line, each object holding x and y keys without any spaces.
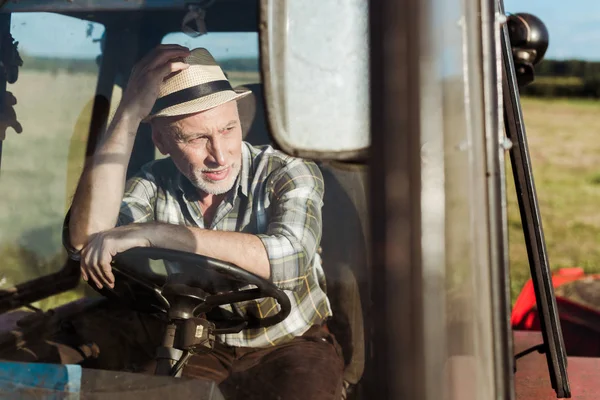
{"x":98,"y":268}
{"x":158,"y":50}
{"x":172,"y":68}
{"x":158,"y":56}
{"x":107,"y":274}
{"x":92,"y":275}
{"x":86,"y":261}
{"x":165,"y":56}
{"x":83,"y":274}
{"x":92,"y":260}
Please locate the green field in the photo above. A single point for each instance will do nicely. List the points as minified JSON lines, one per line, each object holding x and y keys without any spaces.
{"x":565,"y":154}
{"x":40,"y":168}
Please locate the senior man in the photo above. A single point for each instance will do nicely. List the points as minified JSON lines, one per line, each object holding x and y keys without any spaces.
{"x":217,"y":196}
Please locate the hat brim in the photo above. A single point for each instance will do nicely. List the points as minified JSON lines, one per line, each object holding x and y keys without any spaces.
{"x":200,"y":104}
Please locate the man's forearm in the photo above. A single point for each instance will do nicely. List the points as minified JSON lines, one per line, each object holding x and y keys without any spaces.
{"x":244,"y":250}
{"x":98,"y":197}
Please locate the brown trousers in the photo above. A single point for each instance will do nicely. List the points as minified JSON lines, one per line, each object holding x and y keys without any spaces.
{"x":308,"y":367}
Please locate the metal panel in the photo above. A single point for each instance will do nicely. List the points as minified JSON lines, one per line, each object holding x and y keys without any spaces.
{"x":395,"y":368}
{"x":434,"y":104}
{"x":492,"y":20}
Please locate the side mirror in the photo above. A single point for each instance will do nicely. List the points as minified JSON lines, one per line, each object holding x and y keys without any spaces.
{"x":529,"y":41}
{"x":317,"y":76}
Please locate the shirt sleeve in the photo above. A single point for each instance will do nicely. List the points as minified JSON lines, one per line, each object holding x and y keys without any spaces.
{"x":139,"y":199}
{"x":137,"y":206}
{"x":294,"y":223}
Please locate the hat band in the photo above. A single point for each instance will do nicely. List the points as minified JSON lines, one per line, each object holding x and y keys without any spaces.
{"x":191,"y":93}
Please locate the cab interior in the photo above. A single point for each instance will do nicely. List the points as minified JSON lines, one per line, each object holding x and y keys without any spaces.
{"x":30,"y":334}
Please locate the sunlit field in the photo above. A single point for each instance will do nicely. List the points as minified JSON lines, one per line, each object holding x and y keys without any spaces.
{"x":41,"y":166}
{"x":565,"y":152}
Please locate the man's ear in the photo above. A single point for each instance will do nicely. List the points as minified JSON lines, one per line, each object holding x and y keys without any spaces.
{"x":158,"y":139}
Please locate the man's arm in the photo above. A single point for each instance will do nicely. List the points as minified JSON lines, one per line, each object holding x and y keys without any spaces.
{"x":99,"y":193}
{"x":282,"y":254}
{"x":242,"y":249}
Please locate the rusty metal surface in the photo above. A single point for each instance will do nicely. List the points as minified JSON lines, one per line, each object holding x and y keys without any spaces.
{"x":533,"y":383}
{"x":108,"y":385}
{"x":585,"y":291}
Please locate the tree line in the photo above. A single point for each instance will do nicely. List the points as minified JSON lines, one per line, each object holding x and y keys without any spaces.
{"x":568,"y":78}
{"x":90,"y":66}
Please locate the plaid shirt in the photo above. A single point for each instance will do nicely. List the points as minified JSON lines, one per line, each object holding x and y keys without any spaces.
{"x":276,"y":197}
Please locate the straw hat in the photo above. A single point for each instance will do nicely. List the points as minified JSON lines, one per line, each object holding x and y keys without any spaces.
{"x":198,"y":88}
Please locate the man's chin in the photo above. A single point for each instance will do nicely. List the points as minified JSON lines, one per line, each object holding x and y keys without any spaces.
{"x":214,"y":187}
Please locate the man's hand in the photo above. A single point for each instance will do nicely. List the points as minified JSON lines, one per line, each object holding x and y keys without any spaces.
{"x":97,"y":255}
{"x":146,"y":77}
{"x":8,"y":116}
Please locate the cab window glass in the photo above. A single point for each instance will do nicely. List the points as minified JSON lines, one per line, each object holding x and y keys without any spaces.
{"x":236,"y":52}
{"x":41,"y":166}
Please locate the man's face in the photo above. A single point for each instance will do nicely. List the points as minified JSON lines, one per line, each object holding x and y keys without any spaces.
{"x":206,"y":147}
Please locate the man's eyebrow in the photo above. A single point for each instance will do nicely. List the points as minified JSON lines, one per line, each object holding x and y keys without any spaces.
{"x":232,"y":122}
{"x":176,"y":132}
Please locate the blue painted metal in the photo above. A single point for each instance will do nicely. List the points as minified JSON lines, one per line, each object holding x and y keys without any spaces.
{"x":39,"y":381}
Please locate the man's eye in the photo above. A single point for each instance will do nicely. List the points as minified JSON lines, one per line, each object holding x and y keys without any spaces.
{"x":196,"y":139}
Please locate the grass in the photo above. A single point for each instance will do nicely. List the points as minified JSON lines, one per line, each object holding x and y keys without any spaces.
{"x":559,"y":80}
{"x":565,"y":156}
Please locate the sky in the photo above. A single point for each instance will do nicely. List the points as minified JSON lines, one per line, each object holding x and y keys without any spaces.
{"x":44,"y":34}
{"x":574,"y":28}
{"x":573,"y":25}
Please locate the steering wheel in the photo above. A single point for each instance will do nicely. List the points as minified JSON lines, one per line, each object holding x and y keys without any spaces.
{"x":186,"y":294}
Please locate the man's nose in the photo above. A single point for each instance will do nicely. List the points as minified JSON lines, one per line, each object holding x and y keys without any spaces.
{"x":215,"y":150}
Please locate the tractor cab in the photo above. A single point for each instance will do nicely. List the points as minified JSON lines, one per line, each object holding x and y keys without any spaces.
{"x":71,"y":63}
{"x":409,"y":109}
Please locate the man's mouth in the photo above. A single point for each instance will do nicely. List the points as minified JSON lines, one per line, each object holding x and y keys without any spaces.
{"x":216,"y":175}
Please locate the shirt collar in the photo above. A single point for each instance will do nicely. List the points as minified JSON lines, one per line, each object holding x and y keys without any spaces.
{"x":244,"y":176}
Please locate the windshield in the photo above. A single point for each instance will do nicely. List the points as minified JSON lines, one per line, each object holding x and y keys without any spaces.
{"x":55,"y":93}
{"x":40,"y":167}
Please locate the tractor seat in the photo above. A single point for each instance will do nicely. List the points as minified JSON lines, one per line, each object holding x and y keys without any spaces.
{"x":344,"y":242}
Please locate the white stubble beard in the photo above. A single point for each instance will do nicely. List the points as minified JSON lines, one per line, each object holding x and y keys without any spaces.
{"x":214,"y":187}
